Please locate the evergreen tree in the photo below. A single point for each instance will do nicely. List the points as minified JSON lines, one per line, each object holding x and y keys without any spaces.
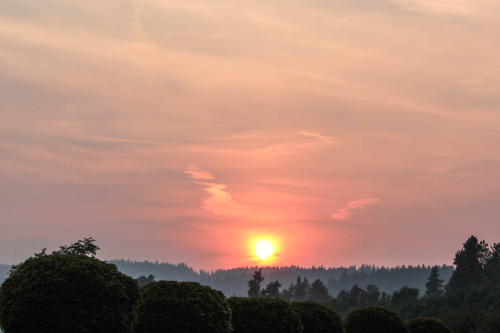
{"x":492,"y":266}
{"x":272,"y":289}
{"x":434,"y":285}
{"x":469,"y":263}
{"x":254,"y":284}
{"x":318,"y":292}
{"x":301,"y":289}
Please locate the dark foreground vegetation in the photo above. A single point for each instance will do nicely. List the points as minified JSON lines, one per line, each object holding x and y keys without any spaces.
{"x":69,"y":290}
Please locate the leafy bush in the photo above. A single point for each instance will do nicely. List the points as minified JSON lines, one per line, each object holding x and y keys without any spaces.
{"x":184,"y":307}
{"x":427,"y":325}
{"x":67,"y":292}
{"x":263,"y":315}
{"x":318,"y":318}
{"x":374,"y":319}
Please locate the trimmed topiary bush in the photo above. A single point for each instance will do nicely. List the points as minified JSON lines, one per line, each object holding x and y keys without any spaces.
{"x":427,"y":325}
{"x":263,"y":315}
{"x":317,"y":317}
{"x":375,"y":319}
{"x":183,"y":307}
{"x":67,"y":293}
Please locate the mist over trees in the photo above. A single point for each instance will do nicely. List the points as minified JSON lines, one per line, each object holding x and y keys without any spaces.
{"x":233,"y":282}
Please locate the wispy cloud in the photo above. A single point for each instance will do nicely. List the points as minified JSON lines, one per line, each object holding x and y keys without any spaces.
{"x":323,"y":138}
{"x":344,"y":213}
{"x":199,"y":174}
{"x":219,"y":201}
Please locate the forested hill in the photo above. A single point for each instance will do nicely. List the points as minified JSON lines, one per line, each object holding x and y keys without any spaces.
{"x":234,"y":281}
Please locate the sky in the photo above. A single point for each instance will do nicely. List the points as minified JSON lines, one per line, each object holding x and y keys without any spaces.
{"x":347,"y":132}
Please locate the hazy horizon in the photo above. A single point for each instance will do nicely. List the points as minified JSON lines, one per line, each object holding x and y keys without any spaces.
{"x":347,"y":132}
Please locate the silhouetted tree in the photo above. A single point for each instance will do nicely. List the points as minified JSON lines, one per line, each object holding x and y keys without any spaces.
{"x":492,"y":266}
{"x":263,"y":315}
{"x":317,"y":317}
{"x":405,"y":301}
{"x":375,"y":319}
{"x":469,"y":263}
{"x":427,"y":325}
{"x":254,"y":284}
{"x":183,"y":307}
{"x":434,"y":285}
{"x":318,"y":292}
{"x":68,"y":291}
{"x":271,"y":290}
{"x":85,"y":247}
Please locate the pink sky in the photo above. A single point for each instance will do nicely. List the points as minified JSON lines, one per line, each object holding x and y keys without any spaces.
{"x":349,"y":131}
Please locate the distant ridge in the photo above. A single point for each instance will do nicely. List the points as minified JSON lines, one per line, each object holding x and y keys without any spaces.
{"x":234,"y":281}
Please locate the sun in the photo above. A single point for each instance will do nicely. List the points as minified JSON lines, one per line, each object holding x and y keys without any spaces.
{"x":264,"y":249}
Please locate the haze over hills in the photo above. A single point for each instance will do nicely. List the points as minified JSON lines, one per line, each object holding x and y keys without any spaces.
{"x":234,"y":281}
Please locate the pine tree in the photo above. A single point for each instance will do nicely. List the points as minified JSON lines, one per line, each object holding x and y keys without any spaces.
{"x":434,"y":285}
{"x":318,"y":292}
{"x":272,"y":289}
{"x":254,"y":284}
{"x":469,"y":263}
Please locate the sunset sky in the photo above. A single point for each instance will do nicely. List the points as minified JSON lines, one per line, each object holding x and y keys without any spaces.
{"x":344,"y":131}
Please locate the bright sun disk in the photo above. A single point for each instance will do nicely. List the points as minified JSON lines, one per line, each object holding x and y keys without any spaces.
{"x":264,"y":249}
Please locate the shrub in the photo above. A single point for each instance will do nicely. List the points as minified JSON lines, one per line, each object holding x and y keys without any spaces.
{"x":183,"y":307}
{"x":318,"y":318}
{"x":263,"y":315}
{"x":374,"y":319}
{"x":66,"y":292}
{"x":427,"y":325}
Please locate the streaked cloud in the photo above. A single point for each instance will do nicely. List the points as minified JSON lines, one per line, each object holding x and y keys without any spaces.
{"x":219,"y":201}
{"x":323,"y":138}
{"x":286,"y":105}
{"x":352,"y":206}
{"x":198,"y":174}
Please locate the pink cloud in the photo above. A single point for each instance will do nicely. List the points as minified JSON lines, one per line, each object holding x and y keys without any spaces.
{"x":219,"y":201}
{"x":196,"y":173}
{"x":344,"y":213}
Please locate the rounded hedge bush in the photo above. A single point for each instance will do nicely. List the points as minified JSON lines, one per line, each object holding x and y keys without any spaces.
{"x":317,"y":317}
{"x":427,"y":325}
{"x":67,"y":293}
{"x":183,"y":307}
{"x":263,"y":315}
{"x":374,"y":319}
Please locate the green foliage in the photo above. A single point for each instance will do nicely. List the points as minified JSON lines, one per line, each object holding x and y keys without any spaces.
{"x":427,"y":325}
{"x":254,"y":284}
{"x":317,"y":317}
{"x":374,"y":319}
{"x":263,"y":315}
{"x":67,"y":292}
{"x":183,"y":307}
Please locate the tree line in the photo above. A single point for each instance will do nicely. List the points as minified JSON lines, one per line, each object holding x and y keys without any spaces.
{"x":70,"y":290}
{"x":469,"y":302}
